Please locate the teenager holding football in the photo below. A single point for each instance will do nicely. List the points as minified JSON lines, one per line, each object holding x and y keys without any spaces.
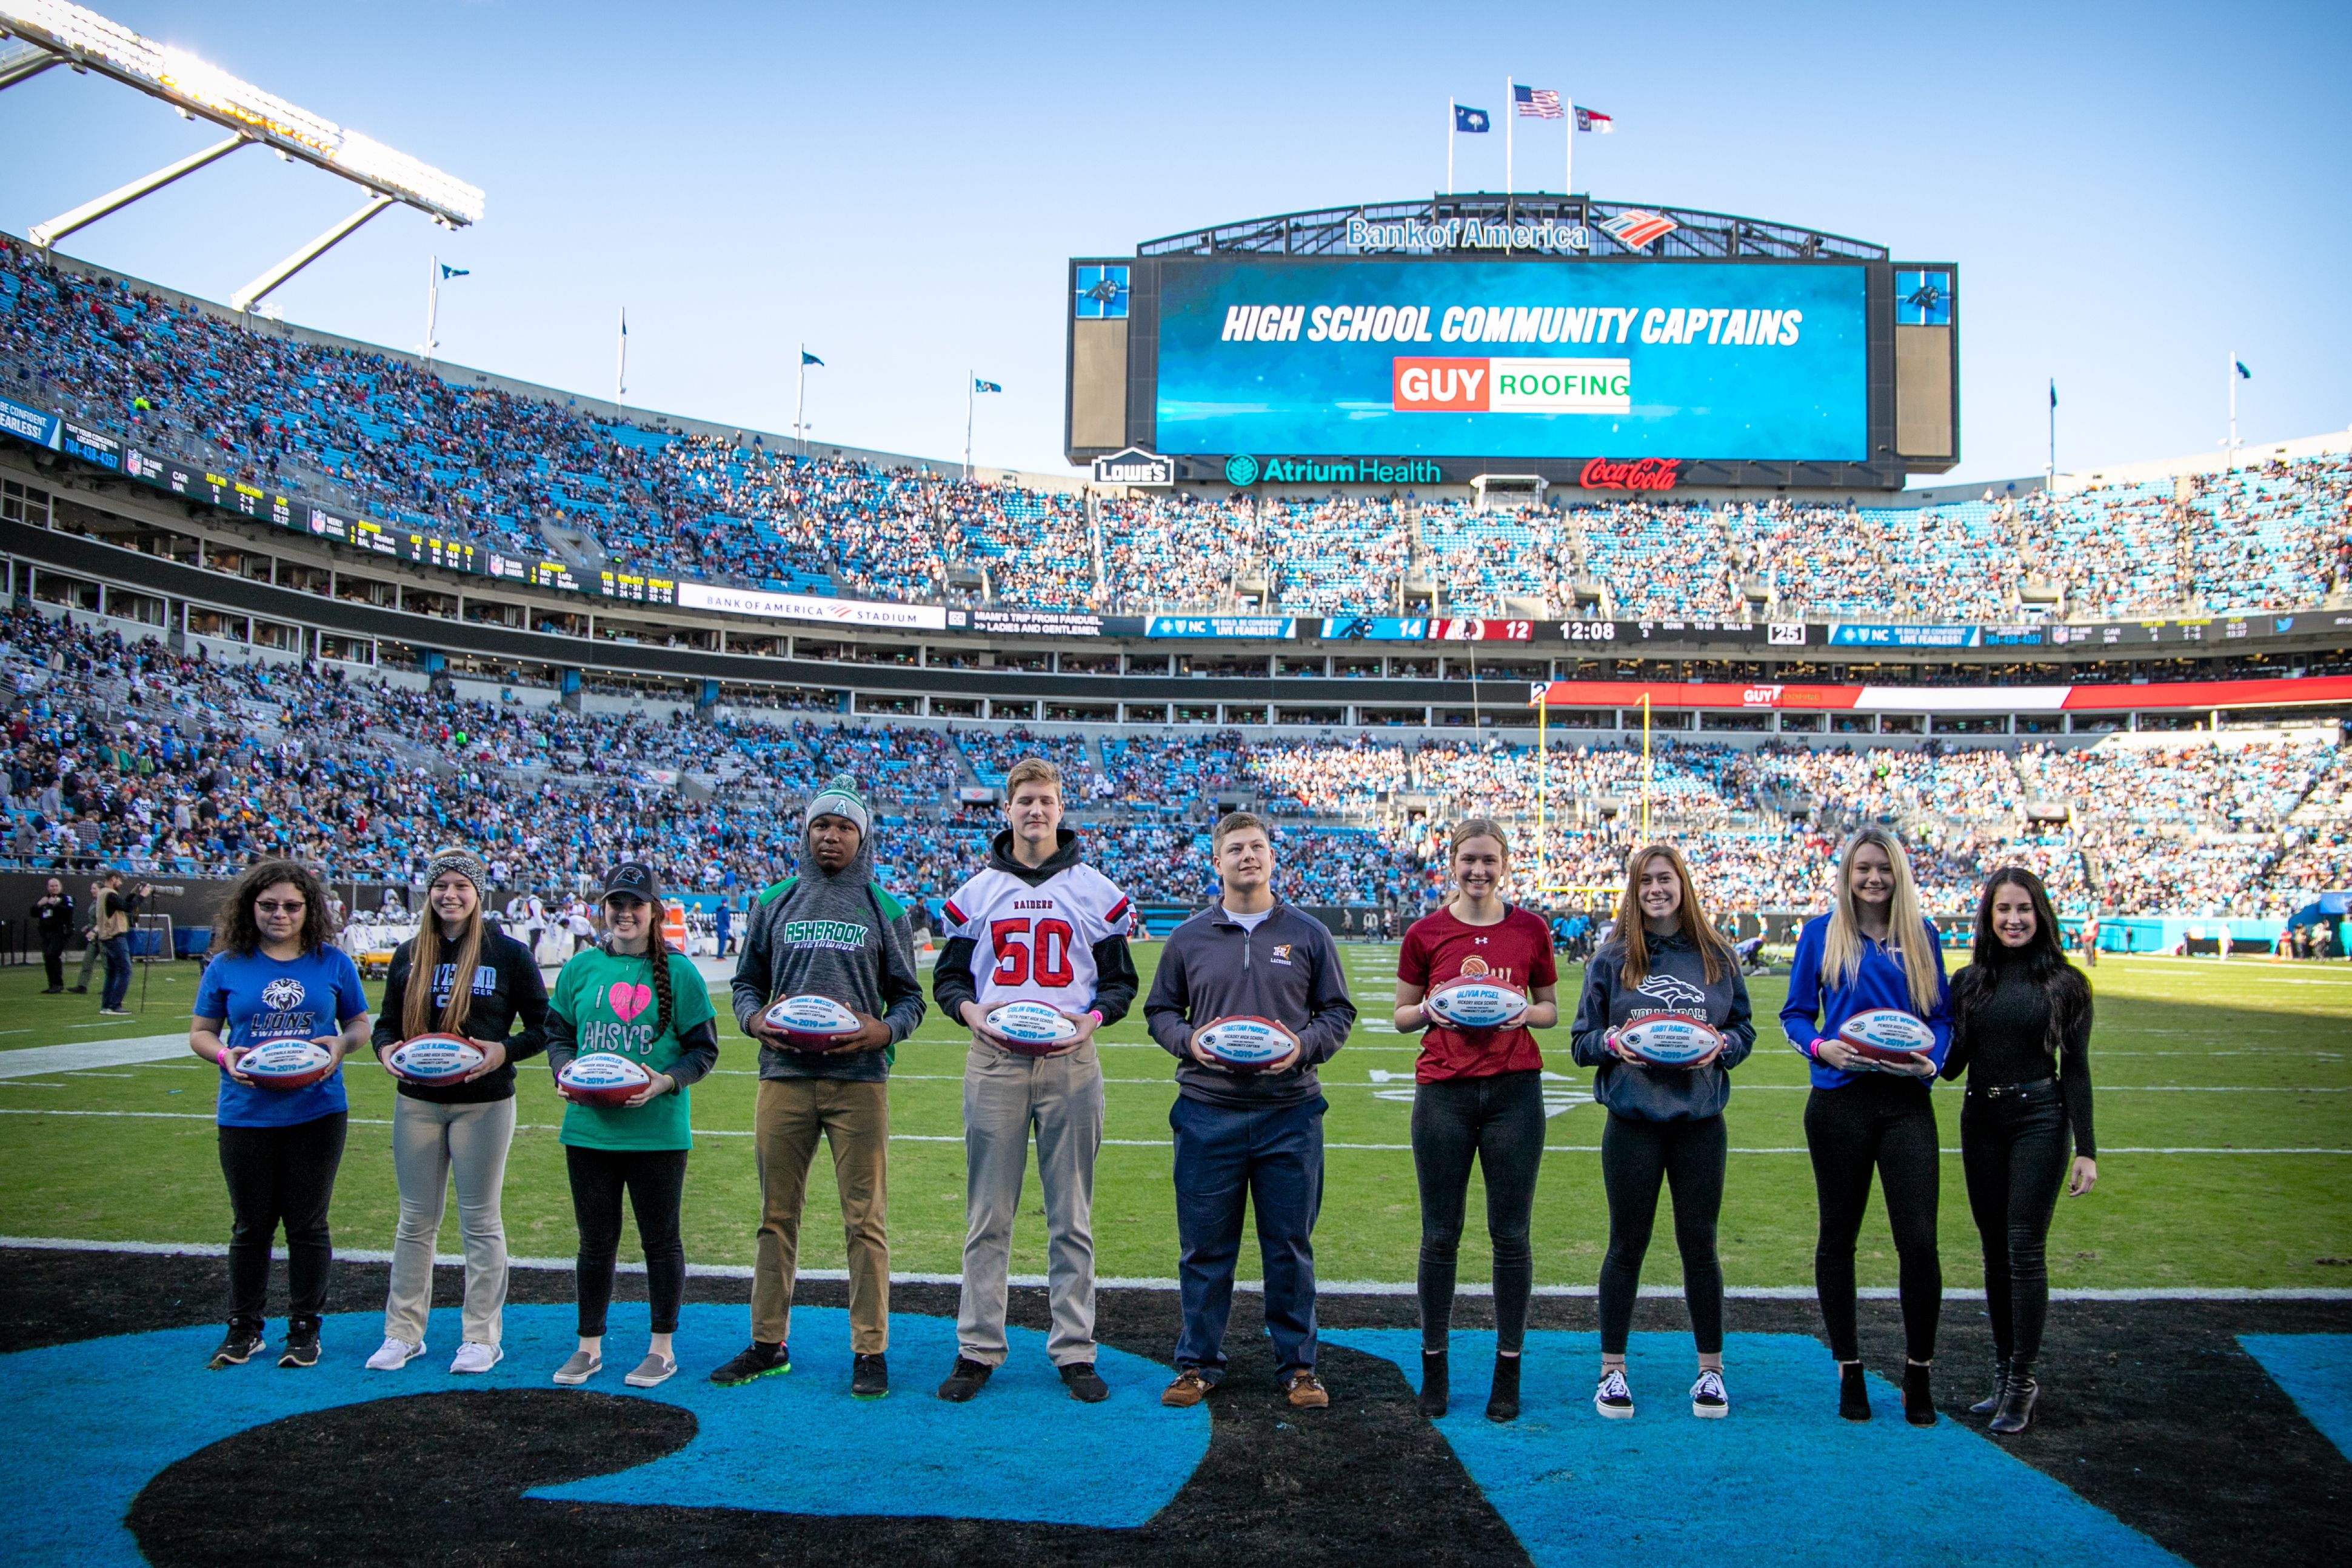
{"x":1874,"y":949}
{"x":276,"y":975}
{"x":2021,"y":1034}
{"x":461,"y":976}
{"x":1665,"y":1123}
{"x":633,"y":995}
{"x":1037,"y":924}
{"x":1253,"y":1138}
{"x":1476,"y":1093}
{"x":829,"y":930}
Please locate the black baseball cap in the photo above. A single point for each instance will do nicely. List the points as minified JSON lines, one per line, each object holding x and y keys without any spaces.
{"x":633,"y":879}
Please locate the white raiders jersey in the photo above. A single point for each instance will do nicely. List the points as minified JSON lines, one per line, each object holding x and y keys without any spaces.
{"x":1036,"y":943}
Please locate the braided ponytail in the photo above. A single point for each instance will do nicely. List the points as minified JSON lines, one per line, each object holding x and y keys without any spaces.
{"x":657,"y":959}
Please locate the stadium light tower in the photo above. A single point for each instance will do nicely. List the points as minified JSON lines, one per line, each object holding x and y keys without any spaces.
{"x":44,"y":33}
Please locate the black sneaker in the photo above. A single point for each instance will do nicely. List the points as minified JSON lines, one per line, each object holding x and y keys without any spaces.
{"x":1086,"y":1386}
{"x":243,"y":1344}
{"x":759,"y":1359}
{"x":870,"y":1379}
{"x":965,"y":1380}
{"x":302,"y":1342}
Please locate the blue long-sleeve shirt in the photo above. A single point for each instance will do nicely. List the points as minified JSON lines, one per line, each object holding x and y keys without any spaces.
{"x":1816,"y":1011}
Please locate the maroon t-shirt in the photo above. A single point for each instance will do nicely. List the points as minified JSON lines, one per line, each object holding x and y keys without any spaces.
{"x":1437,"y":948}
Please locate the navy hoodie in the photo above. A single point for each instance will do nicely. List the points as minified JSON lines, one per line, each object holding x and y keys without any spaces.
{"x":1677,"y":983}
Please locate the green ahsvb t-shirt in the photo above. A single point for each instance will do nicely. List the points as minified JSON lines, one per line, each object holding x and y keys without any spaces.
{"x":608,"y":1001}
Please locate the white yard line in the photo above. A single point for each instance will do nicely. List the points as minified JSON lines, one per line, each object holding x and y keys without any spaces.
{"x":37,"y":1060}
{"x":1114,"y":1142}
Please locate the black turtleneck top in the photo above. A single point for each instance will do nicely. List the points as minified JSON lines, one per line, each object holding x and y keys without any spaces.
{"x":2005,"y":1040}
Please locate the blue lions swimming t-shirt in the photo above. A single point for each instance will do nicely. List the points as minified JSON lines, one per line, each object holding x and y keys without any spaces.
{"x":260,"y":998}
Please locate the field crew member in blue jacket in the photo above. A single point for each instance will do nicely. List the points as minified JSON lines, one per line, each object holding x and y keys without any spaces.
{"x":1874,"y":949}
{"x":1248,"y":1137}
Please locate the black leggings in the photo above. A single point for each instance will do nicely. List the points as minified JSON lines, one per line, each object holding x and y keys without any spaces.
{"x":2014,"y":1150}
{"x":1881,"y":1121}
{"x":655,"y":1180}
{"x":1500,"y":1120}
{"x":281,"y":1175}
{"x":1635,"y":1156}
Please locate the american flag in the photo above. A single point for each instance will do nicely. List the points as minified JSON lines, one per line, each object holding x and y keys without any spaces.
{"x":1538,"y":103}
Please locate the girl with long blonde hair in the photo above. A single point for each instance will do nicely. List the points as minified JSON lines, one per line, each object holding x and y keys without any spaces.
{"x":1665,"y":1123}
{"x":1873,"y":950}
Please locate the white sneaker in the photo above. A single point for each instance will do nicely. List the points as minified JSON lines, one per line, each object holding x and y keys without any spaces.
{"x":1709,"y":1401}
{"x":393,"y":1354}
{"x":473,"y":1356}
{"x":1613,"y":1398}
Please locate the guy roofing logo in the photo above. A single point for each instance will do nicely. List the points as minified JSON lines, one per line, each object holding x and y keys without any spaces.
{"x":283,"y":994}
{"x":1635,"y":228}
{"x":1671,"y":989}
{"x":1419,"y":385}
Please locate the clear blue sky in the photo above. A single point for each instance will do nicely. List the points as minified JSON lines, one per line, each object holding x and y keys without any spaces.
{"x":2132,"y":191}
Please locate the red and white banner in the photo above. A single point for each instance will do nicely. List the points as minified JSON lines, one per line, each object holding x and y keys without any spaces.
{"x":2110,"y":698}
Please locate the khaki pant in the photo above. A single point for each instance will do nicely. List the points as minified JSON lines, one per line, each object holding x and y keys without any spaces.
{"x":854,"y":1119}
{"x":1004,"y":1095}
{"x":429,"y":1141}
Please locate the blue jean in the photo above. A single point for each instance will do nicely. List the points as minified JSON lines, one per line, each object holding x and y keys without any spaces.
{"x":118,"y":971}
{"x":1226,"y":1158}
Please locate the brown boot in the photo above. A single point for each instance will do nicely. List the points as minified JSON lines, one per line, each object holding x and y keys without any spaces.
{"x":1305,"y":1390}
{"x":1189,"y":1389}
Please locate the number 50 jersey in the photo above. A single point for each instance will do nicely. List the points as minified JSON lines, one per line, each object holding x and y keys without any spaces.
{"x":1033,"y":932}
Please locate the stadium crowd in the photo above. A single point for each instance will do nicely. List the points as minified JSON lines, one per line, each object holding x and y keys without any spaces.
{"x":128,"y":754}
{"x":389,"y":437}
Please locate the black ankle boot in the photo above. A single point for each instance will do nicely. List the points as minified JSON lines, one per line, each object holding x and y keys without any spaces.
{"x":1503,"y":1404}
{"x":2016,"y":1397}
{"x":1434,"y":1392}
{"x":1919,"y":1396}
{"x":1854,"y":1393}
{"x":1991,"y":1401}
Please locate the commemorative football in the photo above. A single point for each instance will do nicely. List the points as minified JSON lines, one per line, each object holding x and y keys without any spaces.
{"x":1243,"y":1043}
{"x":434,"y":1060}
{"x":1032,"y":1026}
{"x":1475,"y":1002}
{"x":603,"y":1077}
{"x":287,"y":1064}
{"x":1671,"y":1039}
{"x":812,"y":1023}
{"x":1886,"y":1034}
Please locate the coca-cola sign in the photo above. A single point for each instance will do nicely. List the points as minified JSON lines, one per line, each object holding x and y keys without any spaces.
{"x":1636,"y":474}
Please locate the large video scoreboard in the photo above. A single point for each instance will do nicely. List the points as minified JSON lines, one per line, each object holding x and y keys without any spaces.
{"x":1617,"y":371}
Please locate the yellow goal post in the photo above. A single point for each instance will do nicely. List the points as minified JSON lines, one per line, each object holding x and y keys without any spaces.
{"x":1544,"y":885}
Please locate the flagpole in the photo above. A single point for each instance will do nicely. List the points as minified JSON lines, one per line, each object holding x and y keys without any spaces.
{"x":2230,"y":375}
{"x":2050,"y":474}
{"x":971,"y":385}
{"x":1449,"y":146}
{"x":1568,"y":158}
{"x":432,"y":303}
{"x":621,"y":360}
{"x":799,"y":403}
{"x":1510,"y":132}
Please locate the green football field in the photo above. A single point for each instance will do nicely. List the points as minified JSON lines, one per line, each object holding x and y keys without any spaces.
{"x":2222,"y":1113}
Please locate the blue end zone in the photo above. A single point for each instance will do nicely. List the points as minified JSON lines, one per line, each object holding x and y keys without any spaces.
{"x":96,"y":1421}
{"x":2315,"y":1370}
{"x":1781,"y":1480}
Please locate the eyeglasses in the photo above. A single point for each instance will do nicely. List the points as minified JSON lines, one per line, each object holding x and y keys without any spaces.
{"x":266,"y":906}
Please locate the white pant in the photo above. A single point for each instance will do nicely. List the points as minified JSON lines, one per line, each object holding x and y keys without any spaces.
{"x":429,"y":1140}
{"x":1004,"y":1095}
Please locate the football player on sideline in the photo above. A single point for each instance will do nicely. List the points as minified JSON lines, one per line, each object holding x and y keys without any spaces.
{"x":1055,"y":932}
{"x":1248,"y":1136}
